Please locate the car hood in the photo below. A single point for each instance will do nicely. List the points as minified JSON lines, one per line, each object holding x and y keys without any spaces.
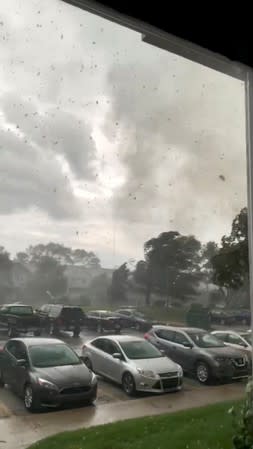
{"x":157,"y":365}
{"x":223,"y":352}
{"x":64,"y":376}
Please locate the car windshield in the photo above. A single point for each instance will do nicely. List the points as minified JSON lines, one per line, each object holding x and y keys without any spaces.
{"x":48,"y":355}
{"x":139,"y":349}
{"x":205,"y":340}
{"x":138,"y":314}
{"x":21,"y":310}
{"x":247,"y":337}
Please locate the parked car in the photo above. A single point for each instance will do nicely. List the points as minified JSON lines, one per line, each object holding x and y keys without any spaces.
{"x":58,"y":317}
{"x":238,"y":340}
{"x":221,"y":316}
{"x":19,"y":318}
{"x":242,"y":316}
{"x":200,"y":353}
{"x":133,"y":363}
{"x":131,"y":318}
{"x":46,"y":372}
{"x":103,"y":321}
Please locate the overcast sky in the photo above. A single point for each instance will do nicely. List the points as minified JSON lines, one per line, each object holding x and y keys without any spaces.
{"x":106,"y":141}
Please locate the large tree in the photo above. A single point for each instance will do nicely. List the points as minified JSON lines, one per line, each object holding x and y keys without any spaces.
{"x":62,"y":254}
{"x":208,"y":251}
{"x":231,"y":263}
{"x":172,"y":264}
{"x":118,"y":288}
{"x":47,"y":280}
{"x":6,"y":281}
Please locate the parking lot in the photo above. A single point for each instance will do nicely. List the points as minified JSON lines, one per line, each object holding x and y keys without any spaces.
{"x":108,"y":392}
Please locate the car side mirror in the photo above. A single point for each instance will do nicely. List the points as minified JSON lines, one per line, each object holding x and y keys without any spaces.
{"x":188,"y":345}
{"x":117,"y":356}
{"x":22,"y":362}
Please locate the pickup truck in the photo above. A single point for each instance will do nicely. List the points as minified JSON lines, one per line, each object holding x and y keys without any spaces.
{"x":18,"y":319}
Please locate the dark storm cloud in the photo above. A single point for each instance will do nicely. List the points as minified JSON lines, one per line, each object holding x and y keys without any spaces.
{"x":181,"y":128}
{"x":63,"y":133}
{"x":30,"y":178}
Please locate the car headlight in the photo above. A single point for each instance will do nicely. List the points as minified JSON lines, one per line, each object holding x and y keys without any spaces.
{"x":93,"y":379}
{"x":146,"y":373}
{"x":180,"y":371}
{"x":46,"y":384}
{"x":221,"y":360}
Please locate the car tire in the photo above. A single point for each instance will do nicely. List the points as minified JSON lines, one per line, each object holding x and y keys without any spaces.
{"x":37,"y":333}
{"x":11,"y":332}
{"x":128,"y":384}
{"x":203,"y":372}
{"x":99,"y":328}
{"x":31,"y":401}
{"x":2,"y":383}
{"x":88,"y":363}
{"x":76,"y":332}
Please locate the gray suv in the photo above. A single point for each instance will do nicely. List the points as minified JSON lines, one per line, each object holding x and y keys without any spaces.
{"x":200,"y":353}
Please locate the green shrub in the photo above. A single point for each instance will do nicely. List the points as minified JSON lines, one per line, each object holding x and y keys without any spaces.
{"x":243,"y":421}
{"x":198,"y":316}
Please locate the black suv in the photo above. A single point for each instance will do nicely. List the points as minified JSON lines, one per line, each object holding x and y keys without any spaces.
{"x":19,"y":318}
{"x":58,"y":317}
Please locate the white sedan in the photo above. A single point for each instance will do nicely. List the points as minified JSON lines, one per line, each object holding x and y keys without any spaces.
{"x":134,"y":363}
{"x":236,"y":339}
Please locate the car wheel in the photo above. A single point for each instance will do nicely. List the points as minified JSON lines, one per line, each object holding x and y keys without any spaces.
{"x":11,"y":332}
{"x":37,"y":333}
{"x":31,"y":402}
{"x":99,"y":328}
{"x":203,"y":373}
{"x":128,"y":384}
{"x":53,"y":330}
{"x":76,"y":332}
{"x":88,"y":363}
{"x":2,"y":383}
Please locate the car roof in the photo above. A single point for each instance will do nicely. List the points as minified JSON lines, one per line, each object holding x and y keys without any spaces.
{"x":177,"y":328}
{"x":120,"y":338}
{"x":68,"y":306}
{"x":32,"y":341}
{"x":16,"y":305}
{"x":231,"y":331}
{"x":100,"y":311}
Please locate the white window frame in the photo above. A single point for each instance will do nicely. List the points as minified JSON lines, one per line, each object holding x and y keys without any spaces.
{"x":193,"y":52}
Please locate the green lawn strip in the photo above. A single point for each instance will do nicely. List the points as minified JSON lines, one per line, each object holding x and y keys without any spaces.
{"x":204,"y":428}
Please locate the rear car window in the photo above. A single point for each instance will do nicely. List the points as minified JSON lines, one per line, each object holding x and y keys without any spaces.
{"x":21,"y":310}
{"x":72,"y":312}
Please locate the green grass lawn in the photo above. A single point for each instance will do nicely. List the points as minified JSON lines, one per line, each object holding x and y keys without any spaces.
{"x":171,"y":315}
{"x":203,"y":428}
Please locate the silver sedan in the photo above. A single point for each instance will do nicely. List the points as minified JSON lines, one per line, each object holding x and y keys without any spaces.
{"x":134,"y":363}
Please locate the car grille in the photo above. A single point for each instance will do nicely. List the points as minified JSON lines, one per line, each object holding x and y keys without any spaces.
{"x":167,"y":384}
{"x":75,"y":390}
{"x":170,"y":383}
{"x":172,"y":374}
